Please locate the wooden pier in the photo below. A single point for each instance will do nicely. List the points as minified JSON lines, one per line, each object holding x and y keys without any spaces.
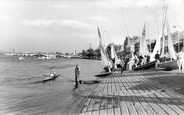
{"x":130,"y":93}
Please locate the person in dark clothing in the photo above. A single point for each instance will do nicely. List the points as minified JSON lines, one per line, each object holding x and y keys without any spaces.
{"x":122,"y":65}
{"x":113,"y":63}
{"x":157,"y":58}
{"x":77,"y":74}
{"x":148,"y":58}
{"x":126,"y":62}
{"x":140,"y":59}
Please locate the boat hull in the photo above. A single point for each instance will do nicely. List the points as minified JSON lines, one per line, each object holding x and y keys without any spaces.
{"x":169,"y":65}
{"x":103,"y":74}
{"x":50,"y":78}
{"x":145,"y":66}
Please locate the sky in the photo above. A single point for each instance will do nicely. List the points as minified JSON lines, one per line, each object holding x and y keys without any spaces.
{"x":69,"y":25}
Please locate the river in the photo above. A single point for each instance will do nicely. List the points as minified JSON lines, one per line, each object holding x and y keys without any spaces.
{"x":22,"y":94}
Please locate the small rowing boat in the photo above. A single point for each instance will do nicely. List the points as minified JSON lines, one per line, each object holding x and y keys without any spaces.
{"x":48,"y":78}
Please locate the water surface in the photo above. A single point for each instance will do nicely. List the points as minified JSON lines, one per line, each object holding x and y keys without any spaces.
{"x":21,"y":93}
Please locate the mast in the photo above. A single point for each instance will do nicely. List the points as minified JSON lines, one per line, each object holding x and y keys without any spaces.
{"x":147,"y":29}
{"x":163,"y":35}
{"x":125,"y":22}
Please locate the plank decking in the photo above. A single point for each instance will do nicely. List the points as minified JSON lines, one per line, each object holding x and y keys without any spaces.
{"x":130,"y":93}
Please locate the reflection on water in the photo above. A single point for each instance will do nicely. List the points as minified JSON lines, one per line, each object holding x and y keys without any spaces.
{"x":19,"y":94}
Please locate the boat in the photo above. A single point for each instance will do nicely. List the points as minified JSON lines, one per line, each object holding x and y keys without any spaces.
{"x":172,"y":64}
{"x":90,"y":81}
{"x":144,"y":51}
{"x":104,"y":57}
{"x":169,"y":65}
{"x":103,"y":74}
{"x":145,"y":66}
{"x":48,"y":78}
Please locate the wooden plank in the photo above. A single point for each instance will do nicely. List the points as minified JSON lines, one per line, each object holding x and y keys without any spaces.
{"x":116,"y":107}
{"x":102,"y":109}
{"x":84,"y":100}
{"x":140,"y":110}
{"x":122,"y":92}
{"x":87,"y":101}
{"x":143,"y":101}
{"x":153,"y":101}
{"x":103,"y":105}
{"x":110,"y":102}
{"x":160,"y":103}
{"x":168,"y":100}
{"x":156,"y":108}
{"x":129,"y":102}
{"x":74,"y":105}
{"x":91,"y":103}
{"x":97,"y":100}
{"x":171,"y":105}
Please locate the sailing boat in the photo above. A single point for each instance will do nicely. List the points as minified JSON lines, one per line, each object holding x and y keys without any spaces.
{"x":114,"y":56}
{"x":170,"y":65}
{"x":105,"y":60}
{"x":144,"y":51}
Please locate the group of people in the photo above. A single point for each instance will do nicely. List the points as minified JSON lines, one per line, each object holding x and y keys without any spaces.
{"x":122,"y":63}
{"x":140,"y":59}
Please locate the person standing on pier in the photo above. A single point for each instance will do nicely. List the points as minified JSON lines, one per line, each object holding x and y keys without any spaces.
{"x":181,"y":61}
{"x":122,"y":65}
{"x":77,"y":75}
{"x":157,"y":58}
{"x":126,"y":62}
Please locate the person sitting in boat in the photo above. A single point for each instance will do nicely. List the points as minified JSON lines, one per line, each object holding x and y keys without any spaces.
{"x":52,"y":73}
{"x":157,"y":58}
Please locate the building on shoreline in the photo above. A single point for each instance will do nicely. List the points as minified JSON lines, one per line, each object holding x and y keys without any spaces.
{"x":177,"y":39}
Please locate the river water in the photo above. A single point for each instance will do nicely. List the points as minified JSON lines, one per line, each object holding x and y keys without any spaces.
{"x":21,"y":93}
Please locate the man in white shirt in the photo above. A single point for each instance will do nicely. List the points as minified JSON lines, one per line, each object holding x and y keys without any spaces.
{"x":181,"y":61}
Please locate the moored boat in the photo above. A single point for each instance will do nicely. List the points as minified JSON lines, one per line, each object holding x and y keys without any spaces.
{"x":103,"y":74}
{"x":145,"y":66}
{"x":169,"y":65}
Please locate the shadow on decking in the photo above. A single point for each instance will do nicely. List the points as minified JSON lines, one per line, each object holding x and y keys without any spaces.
{"x":173,"y":81}
{"x":115,"y":100}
